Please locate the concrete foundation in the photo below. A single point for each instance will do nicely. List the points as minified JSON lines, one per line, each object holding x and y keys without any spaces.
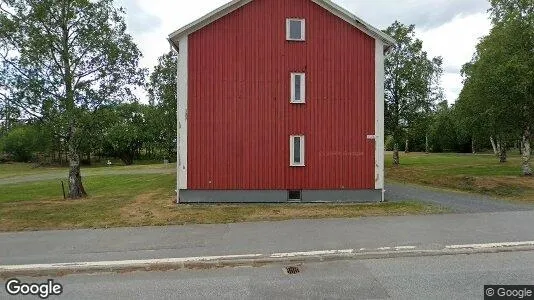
{"x":279,"y":196}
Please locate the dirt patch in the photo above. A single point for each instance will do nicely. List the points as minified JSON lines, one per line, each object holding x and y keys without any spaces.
{"x":147,"y":207}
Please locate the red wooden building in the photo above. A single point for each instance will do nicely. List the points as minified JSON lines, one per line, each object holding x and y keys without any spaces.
{"x":280,"y":100}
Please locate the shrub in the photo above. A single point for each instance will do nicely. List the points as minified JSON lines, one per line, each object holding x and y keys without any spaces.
{"x":21,"y":142}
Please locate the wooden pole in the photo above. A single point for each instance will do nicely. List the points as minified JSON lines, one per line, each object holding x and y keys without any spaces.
{"x":63,"y":188}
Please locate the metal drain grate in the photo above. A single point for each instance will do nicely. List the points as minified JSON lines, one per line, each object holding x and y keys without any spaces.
{"x":292,"y":270}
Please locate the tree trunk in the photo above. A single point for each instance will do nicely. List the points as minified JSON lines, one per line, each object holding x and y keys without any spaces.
{"x":396,"y":160}
{"x":427,"y":146}
{"x":76,"y":189}
{"x":525,"y":153}
{"x":473,"y":149}
{"x":502,"y":151}
{"x":406,"y":146}
{"x":493,"y":145}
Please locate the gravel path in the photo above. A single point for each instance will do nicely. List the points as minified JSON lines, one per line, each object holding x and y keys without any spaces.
{"x":458,"y":202}
{"x":62,"y":174}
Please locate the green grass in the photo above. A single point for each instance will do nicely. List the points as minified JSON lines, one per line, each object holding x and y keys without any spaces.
{"x":146,"y":199}
{"x":480,"y":173}
{"x":41,"y":206}
{"x":21,"y":169}
{"x":11,"y":170}
{"x":110,"y":186}
{"x":467,"y":164}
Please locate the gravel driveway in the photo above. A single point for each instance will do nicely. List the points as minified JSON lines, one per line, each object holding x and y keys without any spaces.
{"x":458,"y":202}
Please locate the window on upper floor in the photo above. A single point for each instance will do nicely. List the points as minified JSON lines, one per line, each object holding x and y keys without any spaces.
{"x":296,"y":30}
{"x":298,"y":88}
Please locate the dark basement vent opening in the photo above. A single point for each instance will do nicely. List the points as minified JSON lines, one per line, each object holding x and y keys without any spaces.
{"x":292,"y":270}
{"x":295,"y":196}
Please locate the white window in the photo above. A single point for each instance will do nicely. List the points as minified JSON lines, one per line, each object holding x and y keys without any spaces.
{"x":296,"y":146}
{"x":296,"y":29}
{"x":298,"y":88}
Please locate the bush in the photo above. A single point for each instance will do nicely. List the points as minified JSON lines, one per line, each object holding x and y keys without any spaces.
{"x":5,"y":157}
{"x":21,"y":142}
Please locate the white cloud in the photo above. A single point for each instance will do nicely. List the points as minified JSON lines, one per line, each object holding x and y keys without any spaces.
{"x":171,"y":15}
{"x":422,"y":13}
{"x":455,"y":41}
{"x":448,"y":28}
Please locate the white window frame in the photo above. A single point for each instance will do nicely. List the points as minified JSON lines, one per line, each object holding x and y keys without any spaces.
{"x":302,"y":29}
{"x":292,"y":162}
{"x":302,"y":99}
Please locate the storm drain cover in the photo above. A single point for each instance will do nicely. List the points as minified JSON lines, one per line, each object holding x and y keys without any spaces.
{"x":292,"y":270}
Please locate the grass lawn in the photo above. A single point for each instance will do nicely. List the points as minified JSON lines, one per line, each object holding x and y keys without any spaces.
{"x":20,"y":169}
{"x":480,"y":173}
{"x":13,"y":170}
{"x":147,"y":198}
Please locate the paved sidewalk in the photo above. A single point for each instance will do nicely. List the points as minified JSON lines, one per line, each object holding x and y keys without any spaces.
{"x":458,"y":202}
{"x":432,"y":231}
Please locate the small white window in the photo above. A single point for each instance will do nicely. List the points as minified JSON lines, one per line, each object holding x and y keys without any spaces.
{"x":296,"y":146}
{"x":298,"y":88}
{"x":296,"y":29}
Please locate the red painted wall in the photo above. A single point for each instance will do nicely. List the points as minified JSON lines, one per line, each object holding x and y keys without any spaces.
{"x":240,"y":117}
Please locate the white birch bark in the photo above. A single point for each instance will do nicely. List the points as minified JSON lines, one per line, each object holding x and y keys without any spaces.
{"x":396,"y":160}
{"x":525,"y":153}
{"x":493,"y":145}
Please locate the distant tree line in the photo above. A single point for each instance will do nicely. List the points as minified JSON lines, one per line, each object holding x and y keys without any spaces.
{"x":68,"y":75}
{"x":495,"y":109}
{"x":69,"y":71}
{"x":127,"y":131}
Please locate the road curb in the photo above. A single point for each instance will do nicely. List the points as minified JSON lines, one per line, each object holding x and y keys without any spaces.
{"x":251,"y":260}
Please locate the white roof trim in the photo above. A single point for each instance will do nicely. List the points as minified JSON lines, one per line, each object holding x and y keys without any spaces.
{"x":235,"y":4}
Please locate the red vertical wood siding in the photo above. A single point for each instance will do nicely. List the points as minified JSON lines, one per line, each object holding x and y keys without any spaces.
{"x":239,"y":115}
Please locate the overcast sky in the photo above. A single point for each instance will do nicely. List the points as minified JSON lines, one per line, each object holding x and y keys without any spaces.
{"x":448,"y":28}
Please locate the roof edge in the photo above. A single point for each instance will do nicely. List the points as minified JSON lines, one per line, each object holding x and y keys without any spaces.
{"x":326,"y":4}
{"x":208,"y":18}
{"x":354,"y":20}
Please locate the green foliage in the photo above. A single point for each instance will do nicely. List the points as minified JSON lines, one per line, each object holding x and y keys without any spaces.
{"x":498,"y":95}
{"x":65,"y":59}
{"x":443,"y":135}
{"x":23,"y":141}
{"x":389,"y":143}
{"x":411,"y":84}
{"x":126,"y":133}
{"x":8,"y":115}
{"x":162,"y":95}
{"x":74,"y":54}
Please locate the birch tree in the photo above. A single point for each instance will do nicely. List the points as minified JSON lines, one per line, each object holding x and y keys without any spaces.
{"x":162,"y":92}
{"x":410,"y":84}
{"x":67,"y":57}
{"x":499,"y":81}
{"x":514,"y":25}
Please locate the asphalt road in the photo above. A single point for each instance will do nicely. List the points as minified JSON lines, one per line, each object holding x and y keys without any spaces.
{"x":429,"y":231}
{"x":444,"y":277}
{"x":458,"y":202}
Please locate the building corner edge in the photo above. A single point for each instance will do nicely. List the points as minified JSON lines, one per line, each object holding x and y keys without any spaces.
{"x":182,"y":101}
{"x":379,"y":116}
